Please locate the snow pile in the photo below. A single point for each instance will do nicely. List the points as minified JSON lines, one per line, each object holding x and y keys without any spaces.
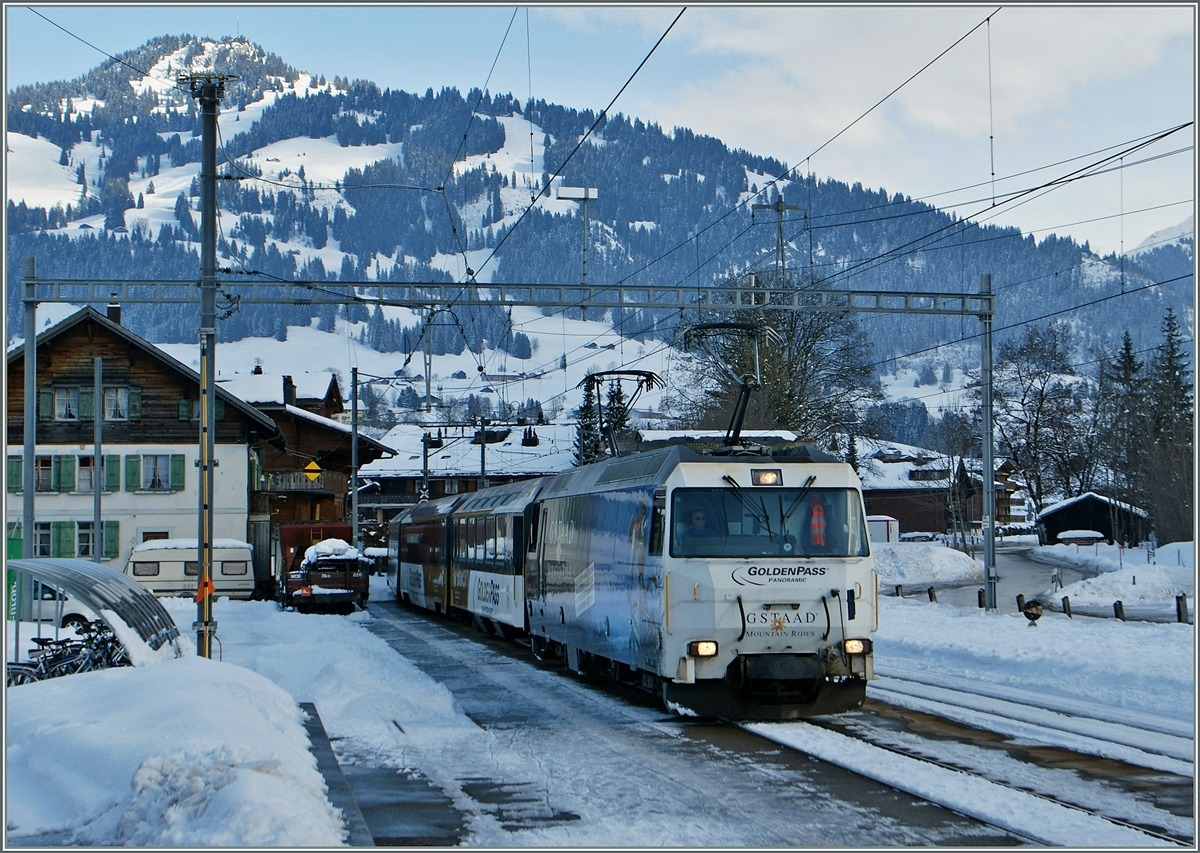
{"x":330,"y":549}
{"x":923,"y":563}
{"x":185,"y":753}
{"x":1128,"y":575}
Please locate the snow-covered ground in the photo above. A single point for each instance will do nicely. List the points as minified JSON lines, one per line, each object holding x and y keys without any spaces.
{"x":189,"y":752}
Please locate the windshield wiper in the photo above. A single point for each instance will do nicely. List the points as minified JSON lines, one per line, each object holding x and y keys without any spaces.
{"x":759,"y":514}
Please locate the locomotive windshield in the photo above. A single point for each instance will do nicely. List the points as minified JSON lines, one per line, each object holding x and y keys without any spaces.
{"x":767,"y":522}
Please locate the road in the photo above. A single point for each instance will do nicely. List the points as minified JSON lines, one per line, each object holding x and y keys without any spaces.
{"x":1017,"y":574}
{"x":563,"y":760}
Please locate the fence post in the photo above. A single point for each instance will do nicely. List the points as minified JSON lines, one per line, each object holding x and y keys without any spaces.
{"x":981,"y":599}
{"x":1119,"y":610}
{"x":1067,"y":606}
{"x":932,"y":595}
{"x":899,"y":591}
{"x":1021,"y":603}
{"x":1181,"y":611}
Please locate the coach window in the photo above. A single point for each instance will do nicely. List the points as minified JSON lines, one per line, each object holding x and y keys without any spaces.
{"x":490,"y":543}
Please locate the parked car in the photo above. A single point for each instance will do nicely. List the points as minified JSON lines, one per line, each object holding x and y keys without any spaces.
{"x":56,"y":607}
{"x":918,"y":537}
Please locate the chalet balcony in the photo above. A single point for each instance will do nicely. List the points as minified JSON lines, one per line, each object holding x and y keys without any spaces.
{"x":326,"y":482}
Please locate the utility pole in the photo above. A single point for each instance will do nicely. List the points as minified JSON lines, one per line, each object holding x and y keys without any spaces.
{"x":989,"y":476}
{"x":580,"y":194}
{"x":483,"y":425}
{"x":429,"y":362}
{"x":97,"y":456}
{"x":354,"y":453}
{"x":780,"y":262}
{"x":208,"y":89}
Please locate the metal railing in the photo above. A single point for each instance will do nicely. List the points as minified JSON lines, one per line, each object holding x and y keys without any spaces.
{"x":299,"y":481}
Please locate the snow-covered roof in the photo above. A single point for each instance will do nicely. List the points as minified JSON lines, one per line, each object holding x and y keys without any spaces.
{"x":1061,"y":505}
{"x":186,"y":544}
{"x":718,"y":434}
{"x":337,"y":426}
{"x":554,"y":453}
{"x":268,"y":387}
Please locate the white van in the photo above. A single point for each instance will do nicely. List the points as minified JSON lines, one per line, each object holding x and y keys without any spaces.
{"x":169,"y":567}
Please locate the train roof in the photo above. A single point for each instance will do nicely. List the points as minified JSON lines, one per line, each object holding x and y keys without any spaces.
{"x":651,"y":468}
{"x":509,"y":498}
{"x":428,"y":509}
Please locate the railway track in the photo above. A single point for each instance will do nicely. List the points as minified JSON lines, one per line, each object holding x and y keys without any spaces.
{"x":1048,"y":771}
{"x":1137,"y":738}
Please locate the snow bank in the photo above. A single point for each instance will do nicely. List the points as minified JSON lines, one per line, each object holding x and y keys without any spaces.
{"x":186,"y":753}
{"x":923,"y":563}
{"x":1141,"y":666}
{"x":1130,"y":575}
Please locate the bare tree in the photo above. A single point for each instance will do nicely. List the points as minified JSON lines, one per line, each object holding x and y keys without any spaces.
{"x":1033,"y":403}
{"x":817,"y":376}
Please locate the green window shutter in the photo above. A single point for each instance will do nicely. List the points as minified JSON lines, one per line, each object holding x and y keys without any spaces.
{"x":66,"y":473}
{"x":133,"y":473}
{"x":56,"y":473}
{"x":185,"y":409}
{"x":177,"y":472}
{"x":87,"y":404}
{"x":45,"y":404}
{"x":112,"y":539}
{"x":112,"y":473}
{"x":62,"y":539}
{"x":219,"y":413}
{"x":15,"y":483}
{"x":135,"y":404}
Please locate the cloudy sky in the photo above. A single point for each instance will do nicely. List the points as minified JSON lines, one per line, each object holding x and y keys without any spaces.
{"x":1021,"y":91}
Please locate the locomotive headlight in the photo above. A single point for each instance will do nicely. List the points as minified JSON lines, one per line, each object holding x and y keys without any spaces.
{"x":857,"y":647}
{"x":702,"y":648}
{"x":766,"y":476}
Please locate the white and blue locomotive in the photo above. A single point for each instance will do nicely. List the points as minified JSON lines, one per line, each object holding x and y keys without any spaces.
{"x":738,"y":586}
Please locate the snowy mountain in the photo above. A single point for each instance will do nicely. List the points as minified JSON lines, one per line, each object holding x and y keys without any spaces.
{"x":333,"y":180}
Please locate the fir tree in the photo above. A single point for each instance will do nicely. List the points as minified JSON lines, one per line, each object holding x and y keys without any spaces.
{"x":1170,"y":460}
{"x":587,"y":433}
{"x":616,"y":417}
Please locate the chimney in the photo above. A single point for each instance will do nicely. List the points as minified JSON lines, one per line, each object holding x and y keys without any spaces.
{"x":289,"y":391}
{"x":114,"y":312}
{"x":257,"y":371}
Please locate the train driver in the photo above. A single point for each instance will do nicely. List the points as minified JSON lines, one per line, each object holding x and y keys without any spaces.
{"x":696,"y":529}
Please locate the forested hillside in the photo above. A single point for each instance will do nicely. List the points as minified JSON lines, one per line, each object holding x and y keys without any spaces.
{"x":673,"y":208}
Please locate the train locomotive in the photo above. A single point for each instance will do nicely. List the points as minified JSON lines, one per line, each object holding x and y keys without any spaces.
{"x":736,"y":586}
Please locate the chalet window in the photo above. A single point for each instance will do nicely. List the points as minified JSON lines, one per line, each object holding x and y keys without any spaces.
{"x":929,"y":474}
{"x":189,"y":410}
{"x":41,"y":539}
{"x":44,"y":474}
{"x":84,"y":482}
{"x":83,"y":539}
{"x":116,"y":404}
{"x":156,"y":473}
{"x":66,"y":404}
